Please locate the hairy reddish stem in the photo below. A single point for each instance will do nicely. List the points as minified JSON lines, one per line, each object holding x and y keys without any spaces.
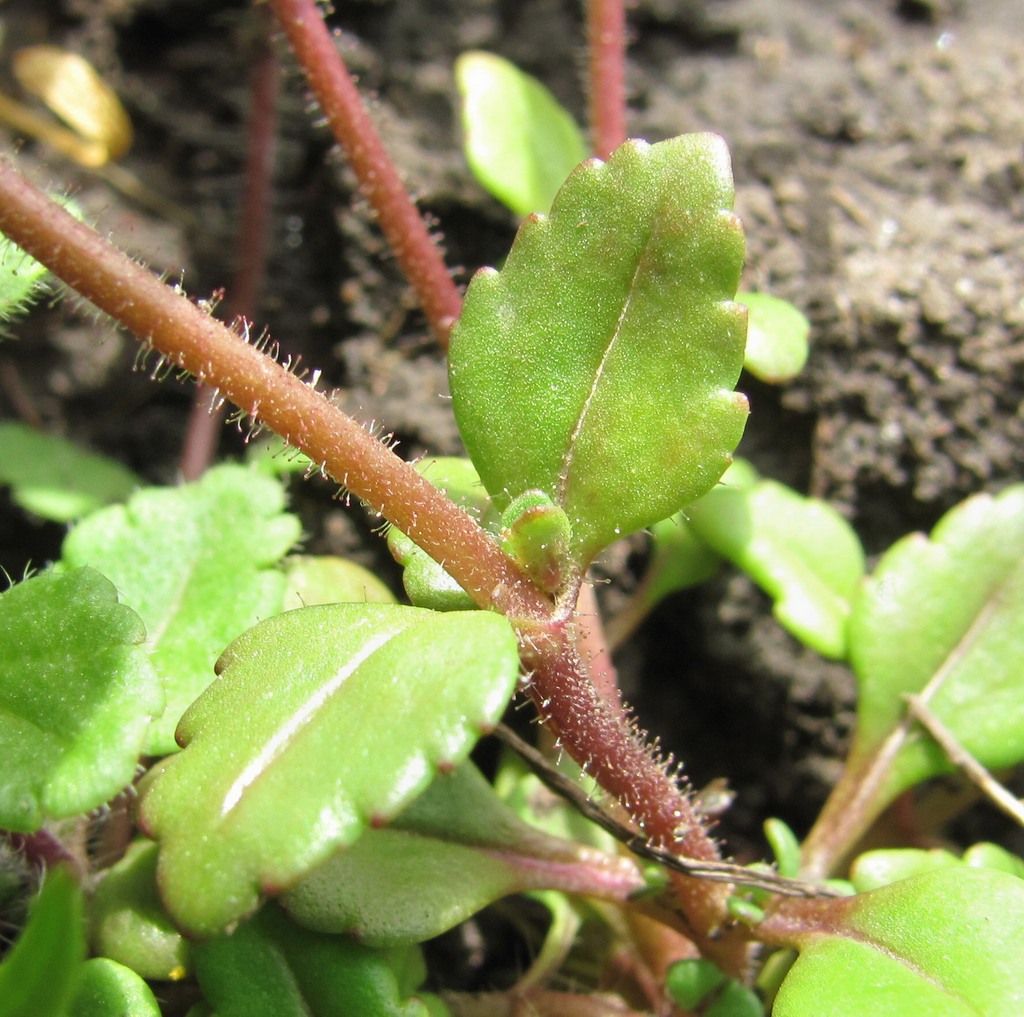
{"x":399,"y":219}
{"x":191,"y":339}
{"x":243,"y":296}
{"x":593,"y":646}
{"x":606,"y":37}
{"x":45,"y":851}
{"x":597,"y":736}
{"x":792,"y":921}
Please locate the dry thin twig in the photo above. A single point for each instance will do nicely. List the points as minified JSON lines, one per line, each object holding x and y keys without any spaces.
{"x":717,"y":872}
{"x":962,"y":759}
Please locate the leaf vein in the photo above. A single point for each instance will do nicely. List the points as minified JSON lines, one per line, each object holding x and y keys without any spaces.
{"x":616,"y":333}
{"x":278,"y":743}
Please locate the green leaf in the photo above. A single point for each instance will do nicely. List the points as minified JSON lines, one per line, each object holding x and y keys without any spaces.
{"x":943,"y":944}
{"x":777,"y":338}
{"x":129,"y":923}
{"x":992,"y":856}
{"x":799,"y":550}
{"x":324,"y":579}
{"x":598,"y":366}
{"x":888,"y":865}
{"x":21,"y":278}
{"x":941,"y":617}
{"x":695,"y":982}
{"x":785,"y":847}
{"x":455,"y":850}
{"x":539,"y":807}
{"x":274,"y":456}
{"x":875,"y":869}
{"x":271,"y":968}
{"x":679,"y":560}
{"x":108,"y":989}
{"x":692,"y":980}
{"x":735,"y":1001}
{"x":536,"y":533}
{"x":196,"y":562}
{"x":38,"y":976}
{"x":519,"y":142}
{"x":324,"y":721}
{"x":55,"y":479}
{"x":425,"y":581}
{"x":77,"y":695}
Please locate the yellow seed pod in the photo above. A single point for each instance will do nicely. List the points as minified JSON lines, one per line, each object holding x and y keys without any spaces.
{"x":71,"y":87}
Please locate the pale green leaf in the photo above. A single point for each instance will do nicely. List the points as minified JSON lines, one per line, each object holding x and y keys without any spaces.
{"x":325,"y":579}
{"x":875,"y":869}
{"x":519,"y":142}
{"x":270,"y":967}
{"x":943,"y":617}
{"x":334,"y":717}
{"x":692,"y":980}
{"x":799,"y":550}
{"x":108,"y":989}
{"x":274,"y":456}
{"x":129,"y":922}
{"x":77,"y":695}
{"x":679,"y":560}
{"x":735,"y":1001}
{"x":991,"y":856}
{"x":21,"y":279}
{"x":426,"y":582}
{"x":55,"y":479}
{"x":777,"y":338}
{"x":946,"y":943}
{"x":455,"y":850}
{"x":38,"y":974}
{"x":889,"y":865}
{"x":197,"y":563}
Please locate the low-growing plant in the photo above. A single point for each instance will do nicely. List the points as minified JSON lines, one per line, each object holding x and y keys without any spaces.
{"x":309,"y":814}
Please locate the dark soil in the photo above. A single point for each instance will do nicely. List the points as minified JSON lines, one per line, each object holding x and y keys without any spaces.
{"x":880,"y":175}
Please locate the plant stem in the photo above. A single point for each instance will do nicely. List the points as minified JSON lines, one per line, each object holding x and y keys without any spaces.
{"x":537,"y":1003}
{"x":593,"y":646}
{"x":597,"y":735}
{"x":606,"y":38}
{"x":869,"y":782}
{"x":204,"y":428}
{"x":792,"y":922}
{"x":856,"y":801}
{"x":46,"y":851}
{"x":400,"y":221}
{"x":190,"y":339}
